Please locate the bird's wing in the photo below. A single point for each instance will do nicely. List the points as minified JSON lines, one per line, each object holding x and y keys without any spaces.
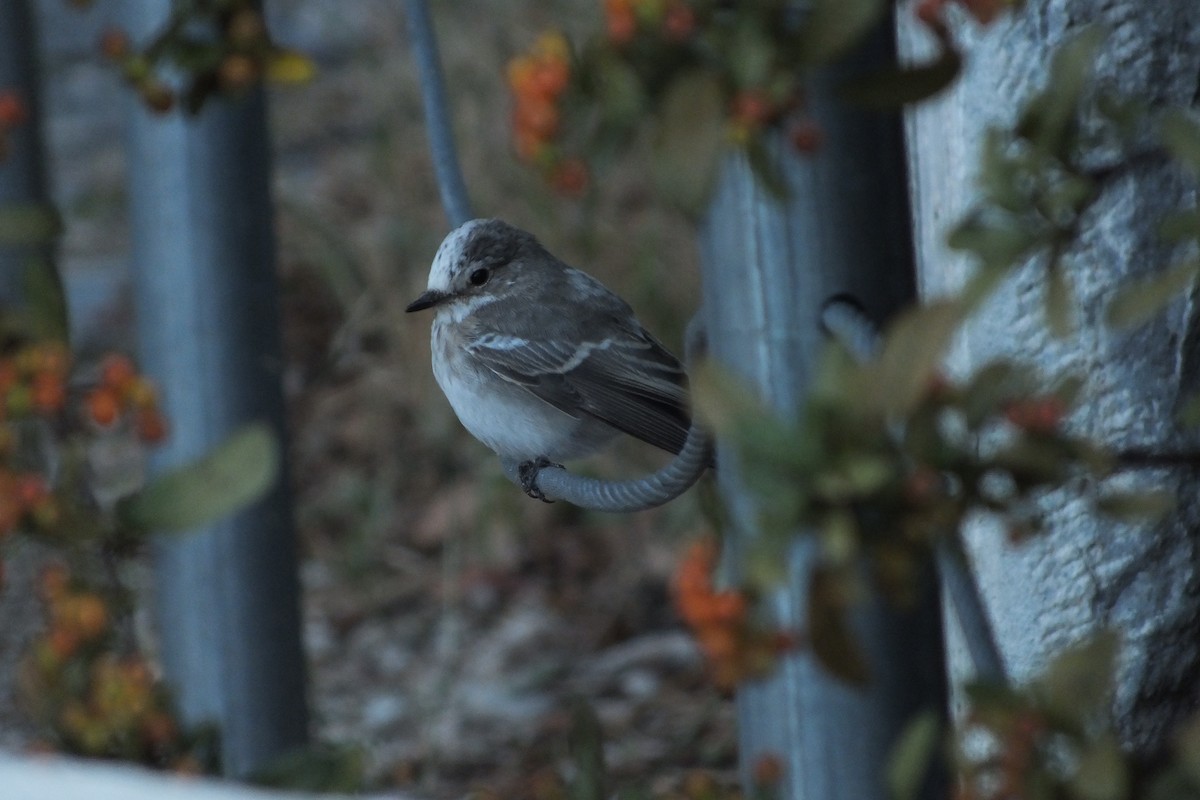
{"x":627,"y":380}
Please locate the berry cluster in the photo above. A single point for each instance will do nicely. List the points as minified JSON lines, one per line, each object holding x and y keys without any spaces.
{"x":735,"y":647}
{"x":90,"y":701}
{"x":12,"y":115}
{"x":36,"y":402}
{"x":123,"y":393}
{"x":647,"y":48}
{"x":538,"y":79}
{"x":239,"y":56}
{"x":625,"y":20}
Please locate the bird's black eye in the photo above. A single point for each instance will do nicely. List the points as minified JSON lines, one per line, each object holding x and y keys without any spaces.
{"x":479,"y":277}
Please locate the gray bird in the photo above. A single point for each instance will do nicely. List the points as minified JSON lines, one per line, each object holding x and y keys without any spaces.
{"x":541,"y":362}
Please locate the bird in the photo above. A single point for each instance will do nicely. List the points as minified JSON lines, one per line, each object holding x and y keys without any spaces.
{"x":541,"y":362}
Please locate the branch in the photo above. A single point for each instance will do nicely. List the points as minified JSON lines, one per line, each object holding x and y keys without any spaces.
{"x":437,"y":115}
{"x":554,"y":482}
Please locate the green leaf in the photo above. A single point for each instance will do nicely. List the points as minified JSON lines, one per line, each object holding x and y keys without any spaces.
{"x":1101,"y":773}
{"x":913,"y":350}
{"x":47,"y":301}
{"x":29,"y":225}
{"x":1060,"y":306}
{"x":1049,"y":119}
{"x":751,"y":52}
{"x":316,"y":768}
{"x":765,"y":168}
{"x":913,"y":754}
{"x":1137,"y":303}
{"x":1180,"y":134}
{"x":992,"y":386}
{"x":1077,"y":685}
{"x":586,"y":743}
{"x":690,"y":139}
{"x":1189,"y":412}
{"x":618,"y":90}
{"x":998,"y":240}
{"x":1187,"y":748}
{"x":897,"y":86}
{"x":833,"y":642}
{"x":1135,"y":506}
{"x":230,"y":477}
{"x":1178,"y":226}
{"x":834,"y":26}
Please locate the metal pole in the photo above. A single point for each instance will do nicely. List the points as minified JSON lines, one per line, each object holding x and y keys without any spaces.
{"x":22,"y":169}
{"x":208,"y":325}
{"x":455,"y":199}
{"x":769,"y":267}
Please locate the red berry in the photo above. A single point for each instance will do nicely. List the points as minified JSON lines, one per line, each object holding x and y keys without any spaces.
{"x":104,"y":406}
{"x":12,"y":110}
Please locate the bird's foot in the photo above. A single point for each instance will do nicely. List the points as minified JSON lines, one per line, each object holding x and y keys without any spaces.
{"x":528,"y":473}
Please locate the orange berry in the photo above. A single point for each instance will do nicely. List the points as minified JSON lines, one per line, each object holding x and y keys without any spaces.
{"x":117,"y":371}
{"x":91,"y":616}
{"x":537,"y":116}
{"x":806,"y":136}
{"x":622,"y":26}
{"x":680,"y":22}
{"x":63,"y":643}
{"x":237,"y":71}
{"x":984,"y":11}
{"x":157,"y":96}
{"x":550,"y":78}
{"x":12,"y":109}
{"x":31,"y":489}
{"x":930,"y":13}
{"x":752,"y":108}
{"x":103,"y":406}
{"x":151,"y":425}
{"x":570,"y":177}
{"x":768,"y":770}
{"x":8,"y":374}
{"x":158,"y":728}
{"x":49,"y":392}
{"x":718,"y":643}
{"x":1037,"y":415}
{"x":520,"y":75}
{"x":53,"y":582}
{"x":729,"y":607}
{"x":114,"y":44}
{"x":529,"y":146}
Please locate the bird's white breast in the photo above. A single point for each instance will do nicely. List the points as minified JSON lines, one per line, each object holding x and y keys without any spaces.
{"x":510,"y":420}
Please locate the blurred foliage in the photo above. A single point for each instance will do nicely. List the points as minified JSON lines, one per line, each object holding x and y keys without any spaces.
{"x":704,"y":76}
{"x":93,"y":695}
{"x":884,"y":474}
{"x":1039,"y":177}
{"x":220,"y":47}
{"x":72,"y":442}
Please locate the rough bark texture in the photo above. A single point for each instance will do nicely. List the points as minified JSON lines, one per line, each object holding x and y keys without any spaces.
{"x":1086,"y":574}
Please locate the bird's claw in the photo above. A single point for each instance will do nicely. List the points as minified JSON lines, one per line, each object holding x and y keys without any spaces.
{"x":528,"y":473}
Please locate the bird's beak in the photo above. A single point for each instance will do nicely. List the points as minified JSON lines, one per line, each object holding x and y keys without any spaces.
{"x":428,"y":299}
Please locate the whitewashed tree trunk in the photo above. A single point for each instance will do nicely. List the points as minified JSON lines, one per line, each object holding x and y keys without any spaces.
{"x":1086,"y":574}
